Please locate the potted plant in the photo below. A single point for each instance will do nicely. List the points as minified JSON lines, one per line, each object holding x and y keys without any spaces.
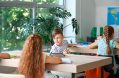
{"x":45,"y":25}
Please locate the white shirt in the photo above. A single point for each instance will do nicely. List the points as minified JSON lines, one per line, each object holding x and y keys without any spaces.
{"x":59,"y":49}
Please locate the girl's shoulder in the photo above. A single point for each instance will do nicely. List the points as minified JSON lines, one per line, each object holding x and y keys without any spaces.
{"x":101,"y":40}
{"x":113,"y":42}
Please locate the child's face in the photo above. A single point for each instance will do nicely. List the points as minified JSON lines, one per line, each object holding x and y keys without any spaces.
{"x":58,"y":39}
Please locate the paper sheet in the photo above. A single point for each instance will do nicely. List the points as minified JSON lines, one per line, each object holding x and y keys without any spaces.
{"x":66,"y":60}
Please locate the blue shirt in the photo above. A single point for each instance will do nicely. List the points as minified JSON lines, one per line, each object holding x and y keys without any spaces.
{"x":102,"y":46}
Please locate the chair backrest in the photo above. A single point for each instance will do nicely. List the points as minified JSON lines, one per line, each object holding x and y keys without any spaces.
{"x":2,"y":75}
{"x":94,"y":31}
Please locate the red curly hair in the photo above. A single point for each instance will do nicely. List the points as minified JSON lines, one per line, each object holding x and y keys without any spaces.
{"x":32,"y":60}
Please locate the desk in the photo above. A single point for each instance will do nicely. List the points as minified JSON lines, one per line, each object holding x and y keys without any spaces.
{"x":86,"y":50}
{"x":82,"y":50}
{"x":79,"y":63}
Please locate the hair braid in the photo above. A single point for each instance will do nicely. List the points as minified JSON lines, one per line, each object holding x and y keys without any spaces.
{"x":108,"y":33}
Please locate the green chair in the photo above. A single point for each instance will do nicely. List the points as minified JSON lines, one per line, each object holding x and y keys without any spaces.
{"x":101,"y":31}
{"x":94,"y":32}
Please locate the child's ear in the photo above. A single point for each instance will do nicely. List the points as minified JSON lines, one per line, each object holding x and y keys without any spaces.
{"x":63,"y":36}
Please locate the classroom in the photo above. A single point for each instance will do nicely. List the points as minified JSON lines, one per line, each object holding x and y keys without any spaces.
{"x":59,"y":39}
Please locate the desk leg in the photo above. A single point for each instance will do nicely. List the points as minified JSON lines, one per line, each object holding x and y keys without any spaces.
{"x":73,"y":75}
{"x":102,"y":72}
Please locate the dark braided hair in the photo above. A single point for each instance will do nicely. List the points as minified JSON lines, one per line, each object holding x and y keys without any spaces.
{"x":108,"y":33}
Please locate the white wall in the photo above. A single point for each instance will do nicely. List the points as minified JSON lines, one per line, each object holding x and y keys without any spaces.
{"x":107,"y":2}
{"x":68,"y":31}
{"x":101,"y":13}
{"x":85,"y":13}
{"x":101,"y":10}
{"x":89,"y":13}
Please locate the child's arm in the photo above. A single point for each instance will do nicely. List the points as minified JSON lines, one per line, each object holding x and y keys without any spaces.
{"x":57,"y":60}
{"x":93,"y":45}
{"x":53,"y":59}
{"x":116,"y":39}
{"x":4,"y":55}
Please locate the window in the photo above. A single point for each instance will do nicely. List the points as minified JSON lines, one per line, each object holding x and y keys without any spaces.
{"x":16,"y":16}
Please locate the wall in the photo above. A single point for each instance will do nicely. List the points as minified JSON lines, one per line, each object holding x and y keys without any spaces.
{"x":84,"y":12}
{"x":101,"y":10}
{"x":89,"y":13}
{"x":69,"y":34}
{"x":101,"y":13}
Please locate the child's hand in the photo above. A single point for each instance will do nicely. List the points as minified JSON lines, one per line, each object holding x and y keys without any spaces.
{"x":4,"y":55}
{"x":66,"y":51}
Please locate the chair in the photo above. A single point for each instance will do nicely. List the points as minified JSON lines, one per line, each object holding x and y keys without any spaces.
{"x":94,"y":32}
{"x":3,"y":75}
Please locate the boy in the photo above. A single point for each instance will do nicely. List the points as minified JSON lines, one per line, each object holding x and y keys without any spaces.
{"x":60,"y":46}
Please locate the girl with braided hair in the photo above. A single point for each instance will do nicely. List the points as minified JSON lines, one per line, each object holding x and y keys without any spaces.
{"x":32,"y":60}
{"x":106,"y":44}
{"x":105,"y":48}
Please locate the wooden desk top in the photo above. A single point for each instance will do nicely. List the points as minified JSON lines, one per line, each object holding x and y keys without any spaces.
{"x":79,"y":63}
{"x":82,"y":50}
{"x":86,"y":50}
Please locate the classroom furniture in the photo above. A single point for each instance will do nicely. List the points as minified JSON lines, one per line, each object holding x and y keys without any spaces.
{"x":3,"y":75}
{"x":96,"y":31}
{"x":79,"y":63}
{"x":86,"y":50}
{"x":82,"y":50}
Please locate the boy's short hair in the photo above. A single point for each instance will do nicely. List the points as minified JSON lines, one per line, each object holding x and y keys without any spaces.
{"x":57,"y":31}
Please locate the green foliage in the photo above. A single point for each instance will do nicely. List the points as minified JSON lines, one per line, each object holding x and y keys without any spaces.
{"x":47,"y":1}
{"x":59,"y":12}
{"x":11,"y":28}
{"x":17,"y":23}
{"x":44,"y":25}
{"x":75,"y":26}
